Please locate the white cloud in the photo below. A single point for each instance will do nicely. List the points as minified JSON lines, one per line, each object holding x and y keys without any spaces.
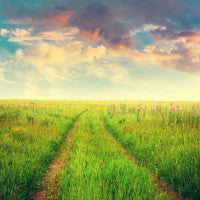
{"x":60,"y":55}
{"x":21,"y":33}
{"x":107,"y":71}
{"x":72,"y":60}
{"x":4,"y":32}
{"x":147,"y":28}
{"x":153,"y":27}
{"x":19,"y":54}
{"x":26,"y":37}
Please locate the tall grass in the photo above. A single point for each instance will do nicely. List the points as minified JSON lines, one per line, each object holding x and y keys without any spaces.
{"x":30,"y":136}
{"x":99,"y":170}
{"x":163,"y":136}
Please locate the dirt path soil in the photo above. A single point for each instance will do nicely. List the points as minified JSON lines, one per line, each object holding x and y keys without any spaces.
{"x":52,"y":179}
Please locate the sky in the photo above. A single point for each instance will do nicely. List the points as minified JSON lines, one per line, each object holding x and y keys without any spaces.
{"x":100,"y":49}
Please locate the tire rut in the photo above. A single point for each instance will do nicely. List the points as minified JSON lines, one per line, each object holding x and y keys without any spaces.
{"x":164,"y":187}
{"x":51,"y":181}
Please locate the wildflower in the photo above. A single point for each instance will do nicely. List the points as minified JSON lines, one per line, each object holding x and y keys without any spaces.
{"x":18,"y":129}
{"x":174,"y":109}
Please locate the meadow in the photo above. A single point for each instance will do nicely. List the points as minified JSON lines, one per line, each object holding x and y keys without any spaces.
{"x":102,"y":150}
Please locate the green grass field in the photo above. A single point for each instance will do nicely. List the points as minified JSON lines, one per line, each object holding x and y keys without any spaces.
{"x":115,"y":150}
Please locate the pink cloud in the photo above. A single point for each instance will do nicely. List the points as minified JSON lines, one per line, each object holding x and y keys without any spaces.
{"x":58,"y":18}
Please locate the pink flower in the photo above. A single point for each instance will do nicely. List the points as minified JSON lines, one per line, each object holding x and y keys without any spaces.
{"x":174,"y":109}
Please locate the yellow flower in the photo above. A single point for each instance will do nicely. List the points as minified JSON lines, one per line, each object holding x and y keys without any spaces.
{"x":18,"y":129}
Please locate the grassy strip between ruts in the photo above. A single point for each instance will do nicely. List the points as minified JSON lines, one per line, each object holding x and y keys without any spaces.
{"x":30,"y":137}
{"x":99,"y":170}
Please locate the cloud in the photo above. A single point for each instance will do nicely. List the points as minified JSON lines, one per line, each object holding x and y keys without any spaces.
{"x":19,"y":54}
{"x":97,"y":19}
{"x":173,"y":29}
{"x":70,"y":61}
{"x":91,"y":53}
{"x":4,"y":32}
{"x":57,"y":18}
{"x":187,"y":46}
{"x":21,"y":33}
{"x":92,"y":36}
{"x":50,"y":60}
{"x":107,"y":71}
{"x":153,"y":27}
{"x":27,"y":37}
